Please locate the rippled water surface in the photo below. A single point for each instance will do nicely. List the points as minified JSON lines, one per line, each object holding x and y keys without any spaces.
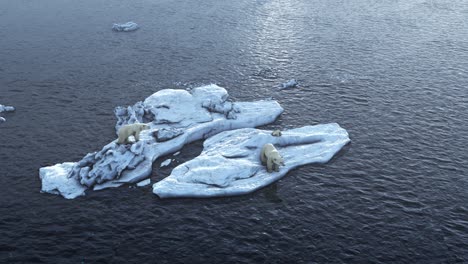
{"x":393,"y":73}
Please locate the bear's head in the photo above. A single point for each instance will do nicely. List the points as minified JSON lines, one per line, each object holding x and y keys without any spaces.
{"x":142,"y":127}
{"x":278,"y":160}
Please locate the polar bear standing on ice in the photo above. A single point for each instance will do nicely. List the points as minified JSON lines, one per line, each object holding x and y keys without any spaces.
{"x":271,"y":158}
{"x":130,"y":130}
{"x":276,"y":133}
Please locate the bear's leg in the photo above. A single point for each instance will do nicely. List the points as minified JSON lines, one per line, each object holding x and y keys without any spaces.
{"x":275,"y":167}
{"x":262,"y":156}
{"x":269,"y":165}
{"x":263,"y":159}
{"x":121,"y":140}
{"x":126,"y":141}
{"x":137,"y":136}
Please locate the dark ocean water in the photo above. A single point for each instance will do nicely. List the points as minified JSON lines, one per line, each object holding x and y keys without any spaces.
{"x":393,"y":73}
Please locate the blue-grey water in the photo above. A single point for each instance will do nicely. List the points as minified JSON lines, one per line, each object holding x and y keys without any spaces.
{"x":393,"y":73}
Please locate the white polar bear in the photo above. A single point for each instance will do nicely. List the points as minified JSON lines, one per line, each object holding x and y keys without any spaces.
{"x":276,"y":133}
{"x":130,"y":130}
{"x":271,"y":157}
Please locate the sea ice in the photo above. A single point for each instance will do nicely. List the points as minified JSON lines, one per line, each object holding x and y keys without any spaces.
{"x":289,"y":84}
{"x":175,"y":117}
{"x":55,"y":181}
{"x":125,"y":27}
{"x":144,"y":183}
{"x":4,"y":108}
{"x":230,"y":162}
{"x":165,"y":163}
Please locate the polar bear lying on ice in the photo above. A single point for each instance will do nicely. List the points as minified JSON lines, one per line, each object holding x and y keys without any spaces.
{"x":271,"y":158}
{"x":130,"y":130}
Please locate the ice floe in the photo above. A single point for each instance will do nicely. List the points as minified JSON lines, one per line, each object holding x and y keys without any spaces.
{"x":175,"y":117}
{"x":4,"y":108}
{"x":230,"y":162}
{"x":165,"y":163}
{"x":125,"y":27}
{"x":144,"y":183}
{"x":289,"y":84}
{"x":55,"y":181}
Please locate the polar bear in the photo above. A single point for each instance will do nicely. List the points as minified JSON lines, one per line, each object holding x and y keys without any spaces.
{"x":271,"y":157}
{"x":276,"y":133}
{"x":130,"y":130}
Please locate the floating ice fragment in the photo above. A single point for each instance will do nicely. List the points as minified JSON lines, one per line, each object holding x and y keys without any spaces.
{"x":4,"y":108}
{"x":125,"y":27}
{"x":289,"y":84}
{"x":144,"y":183}
{"x":165,"y":163}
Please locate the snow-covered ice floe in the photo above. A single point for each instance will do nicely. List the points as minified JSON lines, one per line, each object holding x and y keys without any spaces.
{"x":144,"y":183}
{"x":175,"y":117}
{"x":289,"y":84}
{"x":230,"y":162}
{"x":4,"y":108}
{"x":165,"y":163}
{"x":125,"y":27}
{"x":55,"y":181}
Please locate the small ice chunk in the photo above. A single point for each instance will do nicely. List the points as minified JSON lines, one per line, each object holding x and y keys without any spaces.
{"x":125,"y":27}
{"x":4,"y":108}
{"x":144,"y":183}
{"x":177,"y":153}
{"x":289,"y":84}
{"x":165,"y":163}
